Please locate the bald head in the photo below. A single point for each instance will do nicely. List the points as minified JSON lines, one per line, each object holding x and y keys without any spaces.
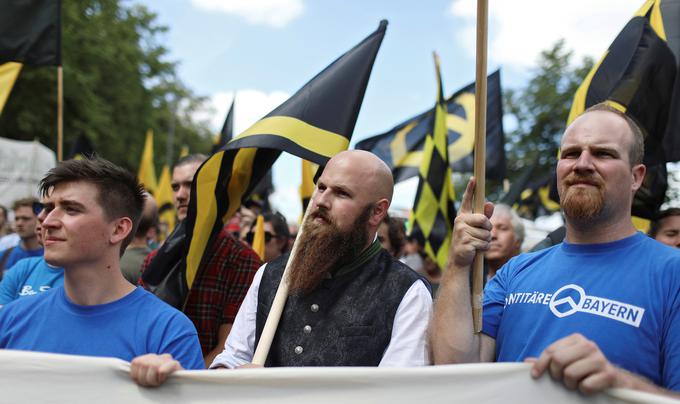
{"x":367,"y":171}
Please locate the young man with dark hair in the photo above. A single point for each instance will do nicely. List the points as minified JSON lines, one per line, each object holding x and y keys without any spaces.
{"x":91,"y":209}
{"x":25,"y":220}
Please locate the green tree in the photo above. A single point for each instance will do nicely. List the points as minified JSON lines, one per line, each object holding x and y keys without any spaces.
{"x":540,"y":109}
{"x":117,"y":84}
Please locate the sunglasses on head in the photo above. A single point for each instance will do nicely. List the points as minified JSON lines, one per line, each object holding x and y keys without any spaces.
{"x":37,"y":208}
{"x":250,"y":236}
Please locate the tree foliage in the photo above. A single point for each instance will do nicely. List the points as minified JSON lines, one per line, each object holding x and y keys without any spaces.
{"x":540,"y":109}
{"x":117,"y":84}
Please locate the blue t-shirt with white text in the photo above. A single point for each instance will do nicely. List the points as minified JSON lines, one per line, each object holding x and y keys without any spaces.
{"x":623,"y":295}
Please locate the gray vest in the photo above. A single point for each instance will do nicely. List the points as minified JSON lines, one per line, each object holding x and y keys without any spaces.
{"x":346,"y":321}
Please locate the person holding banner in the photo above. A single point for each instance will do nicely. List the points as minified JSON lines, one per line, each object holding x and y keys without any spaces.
{"x":350,"y":303}
{"x":601,"y":309}
{"x":91,"y":209}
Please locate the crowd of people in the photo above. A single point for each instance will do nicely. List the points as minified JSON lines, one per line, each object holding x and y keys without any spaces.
{"x":361,"y":292}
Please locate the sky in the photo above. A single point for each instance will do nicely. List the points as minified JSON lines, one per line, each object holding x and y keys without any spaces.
{"x":265,"y":50}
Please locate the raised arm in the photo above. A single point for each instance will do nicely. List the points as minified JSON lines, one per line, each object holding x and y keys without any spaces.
{"x":453,"y":339}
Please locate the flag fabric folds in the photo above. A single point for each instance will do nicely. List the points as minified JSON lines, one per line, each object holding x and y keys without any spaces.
{"x":433,"y":210}
{"x":30,"y":32}
{"x":639,"y":76}
{"x":8,"y":75}
{"x":258,"y":237}
{"x":147,"y":172}
{"x":227,"y":131}
{"x":314,"y":124}
{"x":402,"y":147}
{"x":166,"y":206}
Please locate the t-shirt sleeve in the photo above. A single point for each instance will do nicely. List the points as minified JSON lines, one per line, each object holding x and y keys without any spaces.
{"x":184,"y":345}
{"x":494,"y":302}
{"x":10,"y":283}
{"x":670,"y":372}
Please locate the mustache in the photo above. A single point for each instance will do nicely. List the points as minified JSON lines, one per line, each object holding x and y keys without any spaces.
{"x":321,"y":213}
{"x":574,"y":178}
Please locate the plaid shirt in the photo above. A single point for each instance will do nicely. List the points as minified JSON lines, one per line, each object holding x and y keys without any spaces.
{"x":217,"y":295}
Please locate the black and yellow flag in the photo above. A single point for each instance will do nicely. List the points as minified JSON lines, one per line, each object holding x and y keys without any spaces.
{"x":433,"y":210}
{"x":314,"y":124}
{"x":30,"y":32}
{"x":639,"y":76}
{"x":81,"y":148}
{"x":227,"y":131}
{"x":8,"y":75}
{"x":307,"y":184}
{"x":147,"y":172}
{"x":402,"y":147}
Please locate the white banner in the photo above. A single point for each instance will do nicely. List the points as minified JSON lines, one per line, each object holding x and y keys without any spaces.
{"x":22,"y":166}
{"x":30,"y":377}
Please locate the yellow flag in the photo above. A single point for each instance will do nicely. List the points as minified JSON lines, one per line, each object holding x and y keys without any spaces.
{"x":8,"y":75}
{"x":307,"y":187}
{"x":147,"y":173}
{"x":258,"y":239}
{"x":163,"y":195}
{"x":184,"y":151}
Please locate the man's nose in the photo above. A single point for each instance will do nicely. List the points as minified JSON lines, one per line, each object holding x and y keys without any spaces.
{"x":584,"y":161}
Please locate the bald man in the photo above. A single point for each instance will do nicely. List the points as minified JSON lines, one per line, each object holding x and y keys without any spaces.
{"x":350,"y":302}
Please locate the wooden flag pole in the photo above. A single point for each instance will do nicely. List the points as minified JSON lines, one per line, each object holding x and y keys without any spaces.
{"x":60,"y":113}
{"x":480,"y":155}
{"x":279,"y":302}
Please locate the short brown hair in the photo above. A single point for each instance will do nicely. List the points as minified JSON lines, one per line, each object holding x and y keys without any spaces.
{"x":24,"y":203}
{"x":637,"y":148}
{"x":119,"y":192}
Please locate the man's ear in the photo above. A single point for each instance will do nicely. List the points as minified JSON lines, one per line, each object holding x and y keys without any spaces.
{"x":122,"y":228}
{"x":638,"y":173}
{"x":379,"y":212}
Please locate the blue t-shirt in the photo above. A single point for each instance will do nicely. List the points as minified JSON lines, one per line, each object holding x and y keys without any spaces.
{"x":624,"y":295}
{"x":134,"y":325}
{"x":19,"y":253}
{"x":28,"y":277}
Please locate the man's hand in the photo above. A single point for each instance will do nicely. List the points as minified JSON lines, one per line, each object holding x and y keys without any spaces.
{"x":151,"y":370}
{"x":471,"y":231}
{"x":580,"y":364}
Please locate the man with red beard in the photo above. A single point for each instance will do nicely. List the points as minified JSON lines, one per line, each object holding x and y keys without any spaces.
{"x":350,"y":303}
{"x":576,"y":309}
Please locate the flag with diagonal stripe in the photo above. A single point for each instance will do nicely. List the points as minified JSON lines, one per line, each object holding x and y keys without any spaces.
{"x":639,"y":75}
{"x":315,"y":124}
{"x":433,"y":210}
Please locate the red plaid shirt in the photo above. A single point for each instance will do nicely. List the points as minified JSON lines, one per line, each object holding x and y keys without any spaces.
{"x":217,"y":295}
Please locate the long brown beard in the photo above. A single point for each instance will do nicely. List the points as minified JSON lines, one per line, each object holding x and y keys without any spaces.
{"x":582,"y":204}
{"x":323,"y":248}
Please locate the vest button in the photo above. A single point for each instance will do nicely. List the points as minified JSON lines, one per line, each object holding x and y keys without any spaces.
{"x":307,"y":329}
{"x":298,"y":350}
{"x":314,"y":308}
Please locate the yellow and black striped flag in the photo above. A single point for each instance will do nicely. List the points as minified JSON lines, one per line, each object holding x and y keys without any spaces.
{"x":401,"y":148}
{"x":8,"y":75}
{"x":227,"y":131}
{"x":314,"y":124}
{"x":639,"y":75}
{"x":433,"y":210}
{"x":166,"y":206}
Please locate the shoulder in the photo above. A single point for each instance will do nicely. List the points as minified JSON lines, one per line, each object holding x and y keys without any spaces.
{"x":158,"y":312}
{"x":30,"y":306}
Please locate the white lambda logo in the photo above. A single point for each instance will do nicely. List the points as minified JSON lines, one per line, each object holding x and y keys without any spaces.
{"x":571,"y":299}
